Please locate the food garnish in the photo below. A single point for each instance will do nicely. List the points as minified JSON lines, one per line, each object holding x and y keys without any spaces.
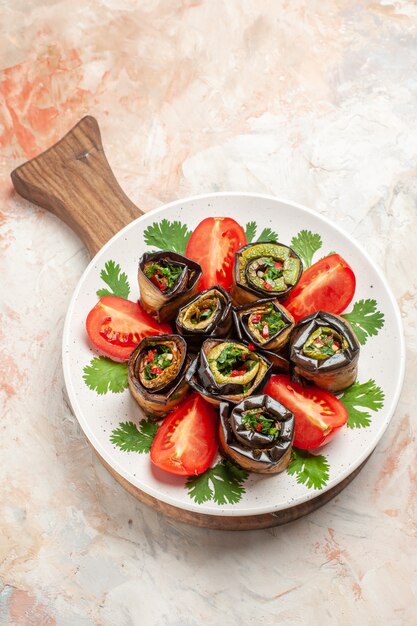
{"x":325,"y":350}
{"x":228,"y":370}
{"x":167,"y":280}
{"x":265,"y":323}
{"x":224,"y":356}
{"x":209,"y":314}
{"x":265,"y":269}
{"x":257,"y":434}
{"x":156,"y":374}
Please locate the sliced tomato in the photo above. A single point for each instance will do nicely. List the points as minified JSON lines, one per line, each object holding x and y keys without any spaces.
{"x":213,"y":245}
{"x":115,"y":326}
{"x":318,"y":414}
{"x":186,"y":441}
{"x":328,"y":285}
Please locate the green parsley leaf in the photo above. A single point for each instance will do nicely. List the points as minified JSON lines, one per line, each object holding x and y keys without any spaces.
{"x":365,"y":319}
{"x":311,"y":470}
{"x":268,"y":235}
{"x":167,"y":235}
{"x":367,"y":395}
{"x":250,"y":231}
{"x":103,"y":375}
{"x":306,"y":245}
{"x":221,"y":483}
{"x":129,"y":438}
{"x":115,"y":279}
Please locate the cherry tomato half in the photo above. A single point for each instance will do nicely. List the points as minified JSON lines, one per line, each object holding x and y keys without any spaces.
{"x":213,"y":245}
{"x":186,"y":441}
{"x":328,"y":285}
{"x":115,"y":326}
{"x":318,"y":414}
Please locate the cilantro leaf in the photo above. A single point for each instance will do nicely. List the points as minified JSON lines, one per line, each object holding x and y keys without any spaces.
{"x":250,"y":231}
{"x":306,"y":245}
{"x":365,"y":319}
{"x":367,"y":395}
{"x":115,"y":279}
{"x":167,"y":235}
{"x":103,"y":375}
{"x":129,"y":438}
{"x":311,"y":470}
{"x":221,"y":483}
{"x":268,"y":235}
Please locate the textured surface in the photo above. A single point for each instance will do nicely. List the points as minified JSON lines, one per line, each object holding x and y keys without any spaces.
{"x":313,"y":101}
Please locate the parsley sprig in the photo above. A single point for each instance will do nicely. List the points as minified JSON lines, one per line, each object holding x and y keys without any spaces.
{"x":267,"y":234}
{"x":310,"y":469}
{"x":113,"y":276}
{"x":306,"y":245}
{"x":129,"y":438}
{"x":365,"y":319}
{"x":222,"y":484}
{"x":166,"y":235}
{"x":103,"y":375}
{"x":365,"y":395}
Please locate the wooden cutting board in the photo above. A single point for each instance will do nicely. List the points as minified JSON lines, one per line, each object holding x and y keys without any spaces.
{"x":73,"y":180}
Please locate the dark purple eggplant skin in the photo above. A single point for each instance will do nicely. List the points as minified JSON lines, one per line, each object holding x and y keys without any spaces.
{"x":332,"y":373}
{"x":156,"y":403}
{"x":278,"y":359}
{"x":251,"y":294}
{"x":242,"y":313}
{"x":169,"y":302}
{"x":200,"y":378}
{"x":219,"y":328}
{"x":251,"y":450}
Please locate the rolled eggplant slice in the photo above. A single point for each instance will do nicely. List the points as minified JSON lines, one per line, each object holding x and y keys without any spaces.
{"x":156,"y":374}
{"x":228,"y":370}
{"x":265,"y":323}
{"x":209,"y":314}
{"x":325,"y":350}
{"x":263,"y":270}
{"x":257,"y":434}
{"x":167,"y":281}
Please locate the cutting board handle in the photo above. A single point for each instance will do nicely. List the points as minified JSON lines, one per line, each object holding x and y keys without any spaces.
{"x":73,"y":180}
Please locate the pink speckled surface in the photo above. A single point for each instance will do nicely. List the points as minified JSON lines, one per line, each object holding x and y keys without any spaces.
{"x":313,"y":101}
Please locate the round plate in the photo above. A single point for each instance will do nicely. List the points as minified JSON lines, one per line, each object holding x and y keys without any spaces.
{"x":100,"y":414}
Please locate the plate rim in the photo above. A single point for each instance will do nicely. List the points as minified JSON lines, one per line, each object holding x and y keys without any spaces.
{"x":191,"y":506}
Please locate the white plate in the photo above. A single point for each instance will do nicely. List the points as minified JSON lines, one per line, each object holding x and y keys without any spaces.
{"x":381,"y":359}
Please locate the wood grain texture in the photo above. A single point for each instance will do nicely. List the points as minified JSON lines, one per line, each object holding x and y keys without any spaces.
{"x":73,"y":180}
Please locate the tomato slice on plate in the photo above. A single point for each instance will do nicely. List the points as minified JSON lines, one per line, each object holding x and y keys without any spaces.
{"x":115,"y":326}
{"x":318,"y":414}
{"x":186,"y":441}
{"x":213,"y":245}
{"x":328,"y":285}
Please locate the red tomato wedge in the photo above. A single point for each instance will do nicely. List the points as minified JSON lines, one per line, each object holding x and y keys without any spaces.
{"x":213,"y":245}
{"x":318,"y":414}
{"x":328,"y":285}
{"x":115,"y":326}
{"x":186,"y":441}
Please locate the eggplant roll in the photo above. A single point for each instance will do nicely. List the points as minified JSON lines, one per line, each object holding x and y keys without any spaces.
{"x":228,"y":370}
{"x":263,"y":270}
{"x":265,"y":323}
{"x":156,"y":372}
{"x":167,"y":281}
{"x":257,"y":434}
{"x":325,"y":350}
{"x":209,"y":314}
